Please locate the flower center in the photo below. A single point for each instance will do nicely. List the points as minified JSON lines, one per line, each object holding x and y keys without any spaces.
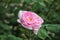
{"x":30,"y":19}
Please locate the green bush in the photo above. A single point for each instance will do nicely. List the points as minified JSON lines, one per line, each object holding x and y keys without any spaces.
{"x":49,"y":10}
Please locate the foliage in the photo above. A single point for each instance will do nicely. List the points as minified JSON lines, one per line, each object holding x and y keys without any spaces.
{"x":49,"y":10}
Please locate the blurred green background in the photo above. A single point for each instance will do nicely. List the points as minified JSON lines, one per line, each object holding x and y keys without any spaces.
{"x":49,"y":10}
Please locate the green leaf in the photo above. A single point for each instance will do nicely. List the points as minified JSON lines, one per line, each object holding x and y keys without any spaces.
{"x":12,"y":37}
{"x":15,"y":1}
{"x":3,"y":37}
{"x":53,"y":27}
{"x":48,"y":1}
{"x":42,"y":4}
{"x":9,"y":37}
{"x":4,"y":26}
{"x":42,"y":33}
{"x":28,"y":1}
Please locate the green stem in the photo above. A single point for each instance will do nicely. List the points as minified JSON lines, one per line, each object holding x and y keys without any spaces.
{"x":29,"y":35}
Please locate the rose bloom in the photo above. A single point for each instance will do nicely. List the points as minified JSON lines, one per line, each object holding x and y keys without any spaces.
{"x":30,"y":20}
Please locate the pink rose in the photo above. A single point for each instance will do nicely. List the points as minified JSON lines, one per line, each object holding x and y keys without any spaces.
{"x":30,"y":20}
